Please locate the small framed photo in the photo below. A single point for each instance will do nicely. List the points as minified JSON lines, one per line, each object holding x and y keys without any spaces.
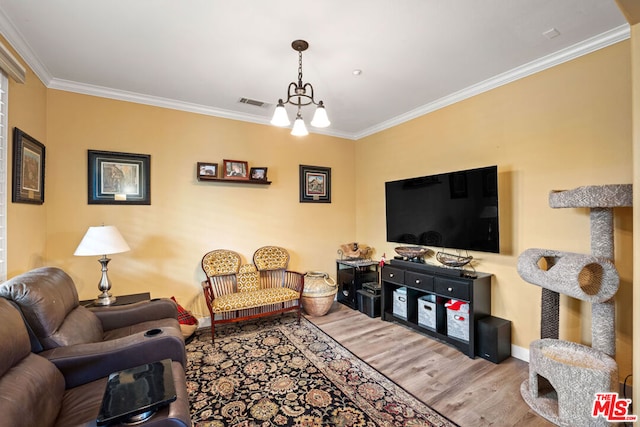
{"x":28,"y":169}
{"x":207,"y":171}
{"x":315,"y":184}
{"x":235,"y":169}
{"x":258,"y":174}
{"x":119,"y":178}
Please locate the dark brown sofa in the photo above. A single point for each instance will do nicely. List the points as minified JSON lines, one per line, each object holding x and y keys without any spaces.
{"x":106,"y":339}
{"x":33,"y":391}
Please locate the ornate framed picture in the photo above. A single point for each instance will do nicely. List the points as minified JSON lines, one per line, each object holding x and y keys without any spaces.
{"x":119,"y":178}
{"x":258,"y":174}
{"x":28,"y":169}
{"x":315,"y":184}
{"x":235,"y":169}
{"x":207,"y":171}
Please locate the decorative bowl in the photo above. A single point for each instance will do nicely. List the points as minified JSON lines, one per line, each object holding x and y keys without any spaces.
{"x":412,"y":251}
{"x":451,"y":260}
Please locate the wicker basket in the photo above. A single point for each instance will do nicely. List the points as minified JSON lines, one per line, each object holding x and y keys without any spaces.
{"x":319,"y":292}
{"x":451,"y":260}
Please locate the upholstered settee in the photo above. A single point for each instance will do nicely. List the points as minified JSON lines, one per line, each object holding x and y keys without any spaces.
{"x":234,"y":291}
{"x":107,"y":339}
{"x":33,"y":392}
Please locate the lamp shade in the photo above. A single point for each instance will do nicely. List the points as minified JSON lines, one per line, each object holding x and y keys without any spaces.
{"x":280,"y":117}
{"x":299,"y":128}
{"x":102,"y":240}
{"x":320,"y":118}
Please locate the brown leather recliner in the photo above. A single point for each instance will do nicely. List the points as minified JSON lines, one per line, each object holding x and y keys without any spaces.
{"x":108,"y":339}
{"x":32,"y":389}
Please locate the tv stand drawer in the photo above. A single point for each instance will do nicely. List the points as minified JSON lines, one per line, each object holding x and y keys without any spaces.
{"x":418,"y":280}
{"x":393,"y":275}
{"x":452,"y":288}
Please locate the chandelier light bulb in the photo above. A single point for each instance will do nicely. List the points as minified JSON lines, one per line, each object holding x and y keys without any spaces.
{"x":280,"y":116}
{"x":299,"y":128}
{"x":320,"y":119}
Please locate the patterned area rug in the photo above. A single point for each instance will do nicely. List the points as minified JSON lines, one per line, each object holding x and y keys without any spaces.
{"x":274,"y":372}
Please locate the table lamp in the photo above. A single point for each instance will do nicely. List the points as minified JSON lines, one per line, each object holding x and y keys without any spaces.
{"x":103,"y":240}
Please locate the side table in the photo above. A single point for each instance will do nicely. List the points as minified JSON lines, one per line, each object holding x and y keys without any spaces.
{"x":120,"y":300}
{"x":351,"y":275}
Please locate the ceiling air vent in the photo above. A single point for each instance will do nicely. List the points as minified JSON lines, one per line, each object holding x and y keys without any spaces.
{"x":254,"y":102}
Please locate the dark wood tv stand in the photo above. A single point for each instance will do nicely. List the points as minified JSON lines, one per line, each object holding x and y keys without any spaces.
{"x":445,"y":284}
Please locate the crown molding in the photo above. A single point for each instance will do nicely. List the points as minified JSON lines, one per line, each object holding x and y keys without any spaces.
{"x":156,"y":101}
{"x":18,"y":42}
{"x":13,"y":36}
{"x":585,"y":47}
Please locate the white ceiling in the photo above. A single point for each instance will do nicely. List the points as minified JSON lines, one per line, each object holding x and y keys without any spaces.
{"x":204,"y":55}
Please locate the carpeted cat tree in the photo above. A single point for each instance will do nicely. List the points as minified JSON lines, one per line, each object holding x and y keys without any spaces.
{"x":565,"y":376}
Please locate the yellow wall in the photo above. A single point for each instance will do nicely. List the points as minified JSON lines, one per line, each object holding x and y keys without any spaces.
{"x":631,"y":11}
{"x":186,"y":217}
{"x":559,"y":129}
{"x":26,"y":234}
{"x":635,"y":56}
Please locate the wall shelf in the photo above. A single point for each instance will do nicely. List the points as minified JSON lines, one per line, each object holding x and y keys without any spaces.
{"x":236,"y":181}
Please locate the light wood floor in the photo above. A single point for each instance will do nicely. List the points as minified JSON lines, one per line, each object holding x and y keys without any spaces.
{"x":470,"y":392}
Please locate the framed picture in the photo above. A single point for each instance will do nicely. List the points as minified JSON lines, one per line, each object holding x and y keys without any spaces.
{"x":235,"y":169}
{"x":207,"y":170}
{"x":119,"y":178}
{"x":258,"y":174}
{"x":315,"y":184}
{"x":28,"y":169}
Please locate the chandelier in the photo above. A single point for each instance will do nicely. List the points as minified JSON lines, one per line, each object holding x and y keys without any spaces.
{"x":300,"y":94}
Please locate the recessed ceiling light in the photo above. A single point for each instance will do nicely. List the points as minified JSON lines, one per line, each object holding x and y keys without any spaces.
{"x":357,"y":72}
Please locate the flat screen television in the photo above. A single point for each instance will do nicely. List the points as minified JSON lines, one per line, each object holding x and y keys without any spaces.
{"x":457,"y":210}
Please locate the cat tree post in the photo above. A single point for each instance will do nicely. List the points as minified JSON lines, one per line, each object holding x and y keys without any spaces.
{"x":600,"y":200}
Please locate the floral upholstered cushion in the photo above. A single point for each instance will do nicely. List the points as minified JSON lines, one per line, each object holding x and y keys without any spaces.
{"x":271,"y":258}
{"x":248,"y":278}
{"x":220,"y":262}
{"x":252,"y":299}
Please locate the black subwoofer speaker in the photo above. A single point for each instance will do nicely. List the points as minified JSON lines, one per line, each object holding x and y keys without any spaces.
{"x":493,"y":339}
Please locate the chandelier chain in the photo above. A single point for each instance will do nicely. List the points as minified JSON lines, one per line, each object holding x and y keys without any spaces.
{"x":300,"y":69}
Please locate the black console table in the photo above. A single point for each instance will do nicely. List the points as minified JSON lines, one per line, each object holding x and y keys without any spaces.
{"x":351,"y":275}
{"x":437,"y":285}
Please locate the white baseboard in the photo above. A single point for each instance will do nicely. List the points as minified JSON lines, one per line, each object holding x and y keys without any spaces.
{"x":520,"y":353}
{"x":204,"y":322}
